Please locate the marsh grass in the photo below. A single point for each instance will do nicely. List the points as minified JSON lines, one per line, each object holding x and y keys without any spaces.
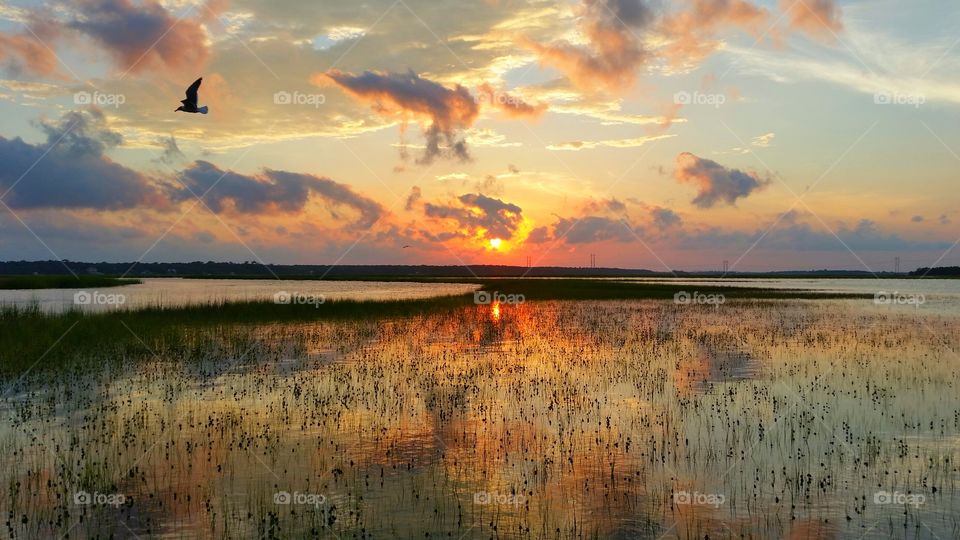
{"x":591,"y":406}
{"x":596,"y":413}
{"x":31,"y":338}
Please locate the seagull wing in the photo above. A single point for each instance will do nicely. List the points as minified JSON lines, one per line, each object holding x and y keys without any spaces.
{"x":192,"y":92}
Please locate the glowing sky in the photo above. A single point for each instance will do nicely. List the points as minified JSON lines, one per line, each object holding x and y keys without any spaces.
{"x":773,"y":134}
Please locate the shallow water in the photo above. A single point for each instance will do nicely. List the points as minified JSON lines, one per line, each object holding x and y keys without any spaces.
{"x":176,"y":292}
{"x":931,"y":295}
{"x":782,"y":419}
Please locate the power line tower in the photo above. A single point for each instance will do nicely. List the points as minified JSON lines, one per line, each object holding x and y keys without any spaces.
{"x":593,"y":260}
{"x":726,"y":266}
{"x":896,"y":264}
{"x":528,"y":261}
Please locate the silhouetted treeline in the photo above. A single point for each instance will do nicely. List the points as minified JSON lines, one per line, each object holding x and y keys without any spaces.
{"x":939,"y":271}
{"x":255,"y":269}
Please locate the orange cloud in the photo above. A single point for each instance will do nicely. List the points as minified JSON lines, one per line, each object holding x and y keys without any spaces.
{"x":613,"y":55}
{"x":693,"y":30}
{"x":144,"y":35}
{"x":818,"y":18}
{"x":616,"y":30}
{"x":28,"y":51}
{"x":511,"y":106}
{"x":31,"y":53}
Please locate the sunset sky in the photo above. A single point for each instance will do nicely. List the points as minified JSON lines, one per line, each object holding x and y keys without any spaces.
{"x":775,"y":134}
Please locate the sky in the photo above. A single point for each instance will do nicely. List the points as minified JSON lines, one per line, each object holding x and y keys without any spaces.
{"x":771,"y":134}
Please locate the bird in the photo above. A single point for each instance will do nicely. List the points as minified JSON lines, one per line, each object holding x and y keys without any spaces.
{"x":190,"y":104}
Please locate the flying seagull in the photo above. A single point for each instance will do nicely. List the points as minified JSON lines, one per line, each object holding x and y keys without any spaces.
{"x":190,"y":104}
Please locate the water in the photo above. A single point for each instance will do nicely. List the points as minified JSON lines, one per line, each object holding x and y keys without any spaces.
{"x":933,"y":295}
{"x":616,"y":419}
{"x":174,"y":292}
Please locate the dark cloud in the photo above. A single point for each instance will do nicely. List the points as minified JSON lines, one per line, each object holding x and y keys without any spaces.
{"x":715,"y":182}
{"x":81,"y":133}
{"x":612,"y":204}
{"x":620,"y":35}
{"x":269,"y":192}
{"x":204,"y":237}
{"x":476,"y":212}
{"x":413,"y":198}
{"x":70,"y":169}
{"x":664,"y":218}
{"x":589,"y":229}
{"x":607,"y":220}
{"x":171,"y":151}
{"x":143,"y":35}
{"x":408,"y":96}
{"x":540,"y":235}
{"x":613,"y":54}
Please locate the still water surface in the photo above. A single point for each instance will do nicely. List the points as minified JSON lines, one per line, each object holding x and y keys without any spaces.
{"x":617,"y":419}
{"x":175,"y":292}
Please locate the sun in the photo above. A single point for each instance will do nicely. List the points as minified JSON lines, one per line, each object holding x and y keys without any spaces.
{"x":495,"y":243}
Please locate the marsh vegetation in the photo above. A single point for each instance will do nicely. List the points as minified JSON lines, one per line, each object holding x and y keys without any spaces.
{"x":574,"y":418}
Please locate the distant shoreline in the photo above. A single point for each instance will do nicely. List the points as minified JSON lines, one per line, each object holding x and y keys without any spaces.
{"x":252,"y":270}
